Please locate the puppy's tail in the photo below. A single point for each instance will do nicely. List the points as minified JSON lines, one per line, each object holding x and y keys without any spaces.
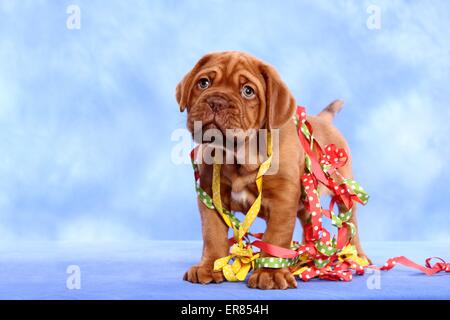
{"x":330,"y":111}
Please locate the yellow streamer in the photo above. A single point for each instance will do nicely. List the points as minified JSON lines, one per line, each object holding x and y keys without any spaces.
{"x":217,"y":199}
{"x":243,"y":257}
{"x":349,"y":253}
{"x":242,"y":264}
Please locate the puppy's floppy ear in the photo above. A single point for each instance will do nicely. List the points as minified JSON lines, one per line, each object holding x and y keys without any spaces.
{"x":280,"y":104}
{"x":184,"y":88}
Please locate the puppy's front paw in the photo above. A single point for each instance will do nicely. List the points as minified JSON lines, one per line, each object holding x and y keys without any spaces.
{"x":265,"y":278}
{"x":203,"y":274}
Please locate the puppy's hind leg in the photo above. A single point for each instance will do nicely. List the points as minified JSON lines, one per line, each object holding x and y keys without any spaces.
{"x":355,"y":240}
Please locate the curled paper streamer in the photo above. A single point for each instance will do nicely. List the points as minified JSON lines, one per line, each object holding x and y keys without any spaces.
{"x":321,"y":255}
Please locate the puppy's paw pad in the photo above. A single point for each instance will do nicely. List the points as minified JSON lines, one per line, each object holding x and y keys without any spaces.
{"x":203,"y":274}
{"x":265,"y":279}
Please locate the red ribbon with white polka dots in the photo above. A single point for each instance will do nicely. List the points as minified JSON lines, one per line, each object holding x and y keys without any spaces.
{"x":331,"y":158}
{"x":326,"y":258}
{"x":428,"y":269}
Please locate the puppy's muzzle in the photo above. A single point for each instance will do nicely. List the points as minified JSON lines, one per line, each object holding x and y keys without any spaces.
{"x":218,"y":102}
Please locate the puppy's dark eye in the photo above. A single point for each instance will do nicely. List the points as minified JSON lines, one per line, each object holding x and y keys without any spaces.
{"x":203,"y":83}
{"x":248,"y":92}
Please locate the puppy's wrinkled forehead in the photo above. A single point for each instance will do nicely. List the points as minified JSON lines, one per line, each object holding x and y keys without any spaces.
{"x":251,"y":83}
{"x":232,"y":68}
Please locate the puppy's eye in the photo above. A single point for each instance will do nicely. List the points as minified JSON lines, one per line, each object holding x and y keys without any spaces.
{"x":248,"y":92}
{"x":203,"y":83}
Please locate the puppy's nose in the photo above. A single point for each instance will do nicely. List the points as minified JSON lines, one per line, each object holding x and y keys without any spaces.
{"x":217,"y":103}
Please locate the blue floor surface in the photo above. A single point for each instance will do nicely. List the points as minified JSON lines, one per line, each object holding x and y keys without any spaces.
{"x":154,"y":270}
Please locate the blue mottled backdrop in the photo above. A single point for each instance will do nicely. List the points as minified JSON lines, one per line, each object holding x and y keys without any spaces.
{"x":86,"y":115}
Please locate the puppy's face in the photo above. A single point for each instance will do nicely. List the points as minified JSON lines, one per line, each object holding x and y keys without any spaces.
{"x":234,"y":91}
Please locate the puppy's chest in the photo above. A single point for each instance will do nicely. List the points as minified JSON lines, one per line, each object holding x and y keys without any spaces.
{"x":243,"y":190}
{"x":243,"y":197}
{"x":242,"y":200}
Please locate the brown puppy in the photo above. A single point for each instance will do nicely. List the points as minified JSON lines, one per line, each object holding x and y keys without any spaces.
{"x":234,"y":90}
